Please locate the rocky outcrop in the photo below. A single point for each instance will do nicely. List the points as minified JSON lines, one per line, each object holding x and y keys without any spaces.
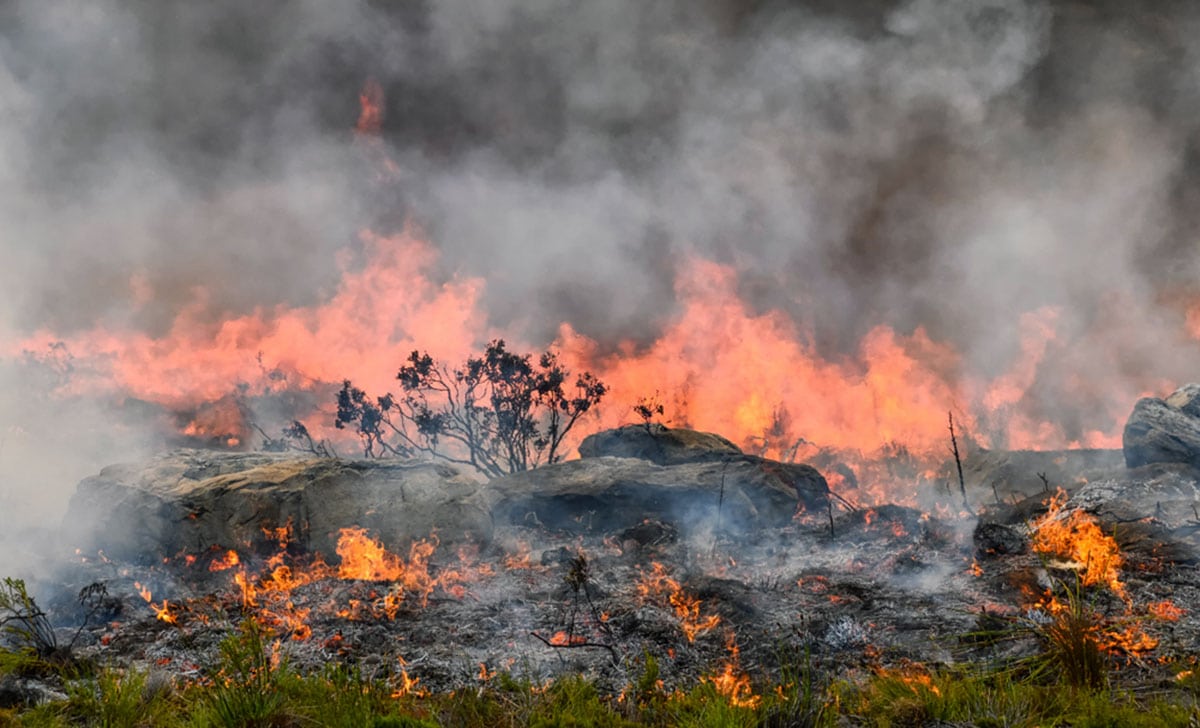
{"x":1164,"y":430}
{"x":193,"y":500}
{"x":1016,"y":474}
{"x":658,"y":444}
{"x":608,"y":494}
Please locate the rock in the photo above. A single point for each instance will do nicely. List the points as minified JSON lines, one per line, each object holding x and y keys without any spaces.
{"x":648,"y":533}
{"x":1014,"y":474}
{"x":188,"y":501}
{"x":1154,"y":509}
{"x":610,"y":494}
{"x":996,"y":539}
{"x":1164,"y":430}
{"x":27,"y":692}
{"x":658,"y":444}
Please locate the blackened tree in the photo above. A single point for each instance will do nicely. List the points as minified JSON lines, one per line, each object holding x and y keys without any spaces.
{"x":500,"y":413}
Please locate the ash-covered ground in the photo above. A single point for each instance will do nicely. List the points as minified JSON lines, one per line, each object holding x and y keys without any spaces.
{"x":726,"y":589}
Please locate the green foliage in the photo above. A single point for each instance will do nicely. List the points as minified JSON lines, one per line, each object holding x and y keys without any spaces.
{"x":802,"y":698}
{"x":246,"y":692}
{"x":119,"y":700}
{"x":400,"y":721}
{"x":704,"y":707}
{"x":23,"y":621}
{"x":253,"y":687}
{"x":1071,"y":637}
{"x":573,"y":702}
{"x":500,"y":413}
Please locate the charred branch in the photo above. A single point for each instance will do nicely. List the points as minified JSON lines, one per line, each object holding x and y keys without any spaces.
{"x":962,"y":484}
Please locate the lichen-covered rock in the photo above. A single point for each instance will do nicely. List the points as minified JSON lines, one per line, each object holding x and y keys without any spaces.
{"x":1164,"y":430}
{"x":188,"y":501}
{"x":658,"y":444}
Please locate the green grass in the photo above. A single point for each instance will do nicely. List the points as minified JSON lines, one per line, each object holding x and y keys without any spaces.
{"x":252,"y":687}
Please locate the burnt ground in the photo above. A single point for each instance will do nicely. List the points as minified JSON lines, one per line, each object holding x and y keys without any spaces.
{"x":885,"y":586}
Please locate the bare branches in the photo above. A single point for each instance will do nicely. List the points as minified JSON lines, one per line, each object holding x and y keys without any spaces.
{"x":647,"y":408}
{"x":499,"y":413}
{"x":962,"y":484}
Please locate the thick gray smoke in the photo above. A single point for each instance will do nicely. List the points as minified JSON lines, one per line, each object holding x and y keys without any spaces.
{"x":946,"y":164}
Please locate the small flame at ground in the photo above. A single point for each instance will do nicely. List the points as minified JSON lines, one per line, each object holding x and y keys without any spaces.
{"x":731,"y":682}
{"x":657,"y":583}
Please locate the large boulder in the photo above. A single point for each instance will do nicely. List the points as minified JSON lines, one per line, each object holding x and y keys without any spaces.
{"x":193,"y":500}
{"x":609,"y":494}
{"x":1164,"y":430}
{"x":658,"y":444}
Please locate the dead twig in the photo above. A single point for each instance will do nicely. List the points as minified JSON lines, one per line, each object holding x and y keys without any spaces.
{"x":576,"y":642}
{"x":962,"y":483}
{"x":720,"y":504}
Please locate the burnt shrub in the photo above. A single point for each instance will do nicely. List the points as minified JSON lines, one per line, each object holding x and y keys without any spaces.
{"x":501,"y":412}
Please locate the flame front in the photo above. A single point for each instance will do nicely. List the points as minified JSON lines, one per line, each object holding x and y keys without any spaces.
{"x":753,"y":376}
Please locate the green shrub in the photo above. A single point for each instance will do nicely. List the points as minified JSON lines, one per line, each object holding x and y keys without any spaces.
{"x":119,"y":700}
{"x":246,"y":692}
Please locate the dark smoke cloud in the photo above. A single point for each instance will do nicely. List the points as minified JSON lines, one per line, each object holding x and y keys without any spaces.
{"x":946,"y":164}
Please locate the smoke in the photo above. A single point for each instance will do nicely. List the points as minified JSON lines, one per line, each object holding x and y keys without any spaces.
{"x":973,"y":168}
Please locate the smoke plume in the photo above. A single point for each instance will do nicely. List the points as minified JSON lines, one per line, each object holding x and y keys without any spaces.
{"x":1014,"y":178}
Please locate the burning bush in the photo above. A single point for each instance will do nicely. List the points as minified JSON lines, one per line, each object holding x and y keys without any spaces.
{"x":500,"y":413}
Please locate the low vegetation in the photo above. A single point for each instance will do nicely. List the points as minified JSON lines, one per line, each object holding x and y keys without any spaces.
{"x":252,"y":686}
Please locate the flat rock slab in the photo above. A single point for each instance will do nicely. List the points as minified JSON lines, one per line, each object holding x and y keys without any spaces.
{"x":609,"y":494}
{"x":189,"y":501}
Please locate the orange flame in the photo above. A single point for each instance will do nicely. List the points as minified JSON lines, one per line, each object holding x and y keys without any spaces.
{"x":1166,"y":611}
{"x":143,"y":591}
{"x":1077,"y":537}
{"x":687,"y":607}
{"x":562,"y":639}
{"x":370,"y":102}
{"x":732,"y":683}
{"x":896,"y":388}
{"x":226,"y":561}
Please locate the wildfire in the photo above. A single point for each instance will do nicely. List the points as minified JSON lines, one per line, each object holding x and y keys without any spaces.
{"x":1078,"y":538}
{"x":164,"y":613}
{"x":1166,"y":611}
{"x":362,"y":559}
{"x":225,"y":561}
{"x":370,"y":115}
{"x":562,"y":638}
{"x":731,"y":682}
{"x":658,"y":583}
{"x":520,"y":559}
{"x":365,"y":558}
{"x":914,"y":675}
{"x":406,"y":685}
{"x":890,"y":397}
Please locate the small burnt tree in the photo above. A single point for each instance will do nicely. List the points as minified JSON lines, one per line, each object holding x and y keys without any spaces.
{"x":500,"y":413}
